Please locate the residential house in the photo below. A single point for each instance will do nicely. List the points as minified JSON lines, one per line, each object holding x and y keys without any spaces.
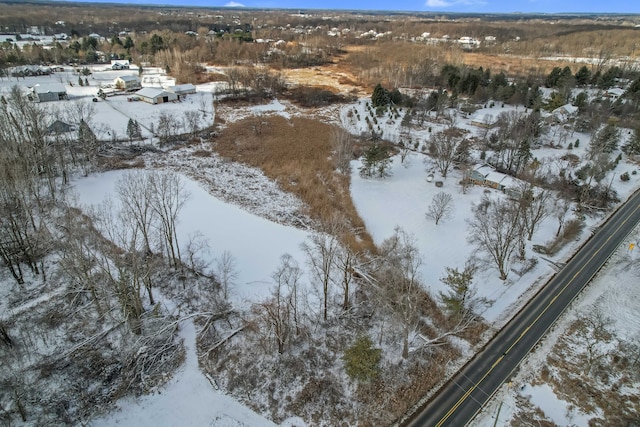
{"x":487,"y":176}
{"x":49,"y":92}
{"x":156,"y":95}
{"x":96,"y":36}
{"x":120,"y":64}
{"x":128,"y":83}
{"x":30,"y":70}
{"x":614,"y":93}
{"x":564,"y":113}
{"x":58,"y":127}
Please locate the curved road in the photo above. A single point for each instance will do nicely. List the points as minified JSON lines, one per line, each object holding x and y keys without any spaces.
{"x":458,"y":401}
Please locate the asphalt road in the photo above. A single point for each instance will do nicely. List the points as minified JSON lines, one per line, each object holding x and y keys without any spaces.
{"x":461,"y":398}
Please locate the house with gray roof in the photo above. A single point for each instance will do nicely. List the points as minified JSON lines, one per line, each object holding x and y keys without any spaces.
{"x":49,"y":92}
{"x":128,"y":83}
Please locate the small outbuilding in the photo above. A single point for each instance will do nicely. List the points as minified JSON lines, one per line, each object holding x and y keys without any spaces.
{"x":128,"y":83}
{"x":49,"y":92}
{"x":484,"y":120}
{"x":156,"y":95}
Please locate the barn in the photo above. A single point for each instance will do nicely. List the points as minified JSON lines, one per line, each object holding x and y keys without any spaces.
{"x":156,"y":95}
{"x":182,"y":90}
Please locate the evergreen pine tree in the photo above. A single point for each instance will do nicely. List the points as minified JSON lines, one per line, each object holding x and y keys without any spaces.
{"x":85,"y":133}
{"x":375,"y":162}
{"x":361,"y":360}
{"x":380,"y":96}
{"x":632,"y":147}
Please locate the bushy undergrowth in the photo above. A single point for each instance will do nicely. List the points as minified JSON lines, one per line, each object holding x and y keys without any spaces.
{"x":306,"y":96}
{"x":309,"y":376}
{"x":594,"y":370}
{"x":67,"y":364}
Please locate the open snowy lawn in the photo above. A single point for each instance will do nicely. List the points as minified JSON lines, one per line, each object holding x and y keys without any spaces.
{"x":402,"y":200}
{"x":256,"y":243}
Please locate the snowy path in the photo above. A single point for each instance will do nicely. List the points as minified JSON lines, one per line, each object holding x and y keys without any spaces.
{"x":188,"y":399}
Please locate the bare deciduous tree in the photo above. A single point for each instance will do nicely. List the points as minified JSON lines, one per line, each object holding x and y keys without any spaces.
{"x":446,"y":148}
{"x":593,"y":332}
{"x":535,"y":205}
{"x":560,"y":209}
{"x":226,"y":272}
{"x":135,"y":192}
{"x":166,"y":128}
{"x":399,"y":275}
{"x":496,"y":229}
{"x":441,"y":207}
{"x":322,"y":251}
{"x":346,"y":260}
{"x":192,"y":120}
{"x":343,"y":149}
{"x":280,"y":310}
{"x":169,"y":197}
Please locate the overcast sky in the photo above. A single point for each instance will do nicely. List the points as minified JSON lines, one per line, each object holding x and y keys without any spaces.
{"x":474,"y":6}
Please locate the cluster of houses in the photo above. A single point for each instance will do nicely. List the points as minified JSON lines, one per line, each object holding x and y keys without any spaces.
{"x":30,"y":70}
{"x":128,"y":83}
{"x":153,"y":95}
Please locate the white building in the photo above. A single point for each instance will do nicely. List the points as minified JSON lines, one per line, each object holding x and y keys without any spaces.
{"x":156,"y":95}
{"x":182,"y":90}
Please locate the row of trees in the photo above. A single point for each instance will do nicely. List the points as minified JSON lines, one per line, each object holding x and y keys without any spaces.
{"x":36,"y":165}
{"x":107,"y":260}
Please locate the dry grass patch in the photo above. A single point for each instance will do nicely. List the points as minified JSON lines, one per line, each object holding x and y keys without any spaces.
{"x":297,"y":153}
{"x":516,"y":65}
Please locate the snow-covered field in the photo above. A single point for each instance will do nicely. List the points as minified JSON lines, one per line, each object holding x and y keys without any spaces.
{"x":256,"y":243}
{"x":230,"y":221}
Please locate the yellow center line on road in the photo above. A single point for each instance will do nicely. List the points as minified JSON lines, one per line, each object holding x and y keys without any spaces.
{"x":499,"y":359}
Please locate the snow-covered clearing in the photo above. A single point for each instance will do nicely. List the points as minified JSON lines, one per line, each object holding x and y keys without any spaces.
{"x":256,"y":243}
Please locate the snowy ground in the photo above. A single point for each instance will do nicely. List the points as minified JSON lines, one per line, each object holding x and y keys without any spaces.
{"x":615,"y":291}
{"x":220,"y":208}
{"x":256,"y":243}
{"x":188,"y":399}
